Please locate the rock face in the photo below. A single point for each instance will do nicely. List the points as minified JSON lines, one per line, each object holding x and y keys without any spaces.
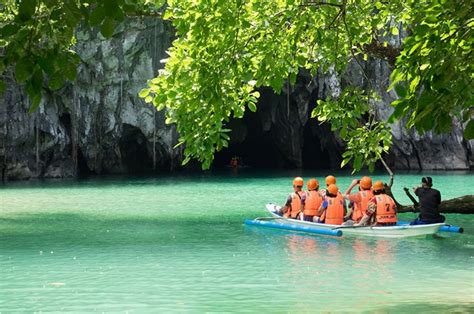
{"x":99,"y":125}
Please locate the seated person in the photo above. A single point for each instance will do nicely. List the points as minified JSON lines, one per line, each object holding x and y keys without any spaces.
{"x":295,"y":203}
{"x":360,"y":199}
{"x":429,"y":201}
{"x":332,"y":209}
{"x":313,"y":201}
{"x":381,"y":209}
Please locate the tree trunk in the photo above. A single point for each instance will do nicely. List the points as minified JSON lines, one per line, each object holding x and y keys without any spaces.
{"x":459,"y":205}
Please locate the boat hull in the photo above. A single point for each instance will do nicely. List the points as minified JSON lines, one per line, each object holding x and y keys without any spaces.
{"x":399,"y":231}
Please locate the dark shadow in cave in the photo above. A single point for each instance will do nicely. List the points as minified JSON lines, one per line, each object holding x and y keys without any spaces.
{"x":251,"y":143}
{"x":259,"y":148}
{"x":134,"y":151}
{"x":82,"y":167}
{"x":314,"y":155}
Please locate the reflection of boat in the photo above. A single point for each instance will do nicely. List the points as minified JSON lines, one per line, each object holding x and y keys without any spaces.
{"x":398,"y":231}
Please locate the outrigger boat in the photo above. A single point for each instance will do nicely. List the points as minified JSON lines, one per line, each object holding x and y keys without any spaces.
{"x":401,"y":230}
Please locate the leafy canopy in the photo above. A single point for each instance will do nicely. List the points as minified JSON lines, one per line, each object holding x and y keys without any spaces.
{"x":225,"y":50}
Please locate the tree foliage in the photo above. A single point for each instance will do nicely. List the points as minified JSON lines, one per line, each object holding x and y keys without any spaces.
{"x":350,"y":115}
{"x":225,"y":51}
{"x":435,"y":70}
{"x":37,"y":37}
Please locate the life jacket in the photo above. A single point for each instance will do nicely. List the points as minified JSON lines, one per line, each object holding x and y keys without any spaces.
{"x":296,"y":203}
{"x":361,"y":208}
{"x":312,"y":203}
{"x":334,"y":213}
{"x":386,"y":209}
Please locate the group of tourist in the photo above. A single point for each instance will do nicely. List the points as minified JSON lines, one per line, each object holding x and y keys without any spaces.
{"x":368,"y":206}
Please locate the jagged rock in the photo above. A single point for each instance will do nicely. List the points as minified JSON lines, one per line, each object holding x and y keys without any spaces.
{"x":98,"y":124}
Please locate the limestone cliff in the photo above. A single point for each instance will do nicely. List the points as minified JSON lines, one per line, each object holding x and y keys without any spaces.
{"x":99,"y":125}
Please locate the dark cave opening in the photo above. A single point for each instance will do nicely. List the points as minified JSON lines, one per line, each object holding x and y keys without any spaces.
{"x":264,"y":139}
{"x":134,"y":151}
{"x":251,"y":143}
{"x":315,"y":154}
{"x":82,"y":167}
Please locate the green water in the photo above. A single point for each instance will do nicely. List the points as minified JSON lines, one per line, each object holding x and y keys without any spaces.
{"x":177,"y":244}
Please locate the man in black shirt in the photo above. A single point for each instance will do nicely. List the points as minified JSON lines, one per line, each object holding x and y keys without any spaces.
{"x":430,"y":199}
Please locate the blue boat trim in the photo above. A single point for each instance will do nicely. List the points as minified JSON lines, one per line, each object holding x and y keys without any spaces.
{"x":447,"y":228}
{"x":309,"y":229}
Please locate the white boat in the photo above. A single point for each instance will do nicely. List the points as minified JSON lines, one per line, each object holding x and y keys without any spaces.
{"x":398,"y":231}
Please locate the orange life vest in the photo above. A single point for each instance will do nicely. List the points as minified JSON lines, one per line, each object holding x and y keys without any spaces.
{"x":312,"y":203}
{"x":386,"y":209}
{"x":335,"y":210}
{"x":296,"y":204}
{"x":361,"y":208}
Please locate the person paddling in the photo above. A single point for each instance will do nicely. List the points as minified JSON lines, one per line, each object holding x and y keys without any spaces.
{"x":381,"y":208}
{"x":295,"y":203}
{"x":429,"y":201}
{"x":332,"y":209}
{"x":313,"y":201}
{"x":360,"y":199}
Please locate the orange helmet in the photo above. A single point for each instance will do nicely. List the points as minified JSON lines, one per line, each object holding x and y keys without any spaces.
{"x":330,"y":180}
{"x":333,"y":189}
{"x":378,"y":186}
{"x":298,"y":181}
{"x":312,"y":184}
{"x":365,"y":183}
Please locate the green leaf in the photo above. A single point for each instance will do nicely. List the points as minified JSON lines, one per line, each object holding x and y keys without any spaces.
{"x":394,"y":31}
{"x":424,"y":66}
{"x":159,"y":3}
{"x":46,"y":64}
{"x":108,"y":27}
{"x":2,"y":86}
{"x":97,"y":16}
{"x":8,"y":30}
{"x":70,"y":71}
{"x":357,"y":162}
{"x":252,"y":107}
{"x":401,"y":90}
{"x":469,"y":130}
{"x":414,"y":83}
{"x":23,"y":70}
{"x":27,"y":9}
{"x":345,"y":161}
{"x":144,"y":92}
{"x":37,"y":80}
{"x":56,"y":81}
{"x":186,"y":160}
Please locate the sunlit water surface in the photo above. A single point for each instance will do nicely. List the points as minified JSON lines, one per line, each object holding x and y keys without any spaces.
{"x":177,"y":243}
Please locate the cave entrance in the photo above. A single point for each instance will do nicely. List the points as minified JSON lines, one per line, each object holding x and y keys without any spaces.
{"x":134,"y":151}
{"x":82,"y":167}
{"x":263,"y":143}
{"x":316,"y":149}
{"x":251,"y":143}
